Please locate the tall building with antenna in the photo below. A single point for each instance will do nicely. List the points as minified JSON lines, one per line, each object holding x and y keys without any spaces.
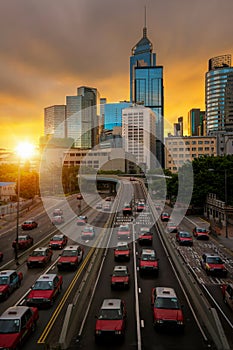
{"x":146,"y":86}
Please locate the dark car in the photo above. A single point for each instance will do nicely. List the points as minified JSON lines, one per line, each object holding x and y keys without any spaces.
{"x":39,"y":257}
{"x":127,"y":209}
{"x":24,"y":242}
{"x":201,"y":233}
{"x":124,"y":232}
{"x":29,"y":225}
{"x":167,"y":311}
{"x":81,"y":220}
{"x":88,"y":233}
{"x":111,"y":321}
{"x":213,"y":265}
{"x":140,"y":206}
{"x":16,"y":323}
{"x":184,"y":238}
{"x":227,"y":290}
{"x":45,"y":290}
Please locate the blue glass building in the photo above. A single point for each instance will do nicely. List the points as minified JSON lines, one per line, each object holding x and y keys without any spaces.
{"x":146,"y":86}
{"x":219,"y":95}
{"x":113,"y":114}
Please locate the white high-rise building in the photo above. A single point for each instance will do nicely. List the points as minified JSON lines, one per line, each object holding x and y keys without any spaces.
{"x":138,"y":132}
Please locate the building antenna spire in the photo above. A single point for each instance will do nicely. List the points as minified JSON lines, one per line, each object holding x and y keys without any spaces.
{"x":144,"y":29}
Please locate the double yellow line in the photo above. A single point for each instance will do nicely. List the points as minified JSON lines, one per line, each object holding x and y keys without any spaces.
{"x":51,"y":322}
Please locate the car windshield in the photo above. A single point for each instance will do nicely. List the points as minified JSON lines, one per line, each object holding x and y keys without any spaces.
{"x":124,"y":228}
{"x":167,"y":303}
{"x":120,"y":273}
{"x":110,"y":314}
{"x":214,"y":260}
{"x":3,"y":280}
{"x":22,"y":238}
{"x":43,"y":285}
{"x":69,"y":253}
{"x":122,"y":247}
{"x":148,"y":257}
{"x":171,"y":224}
{"x":38,"y":253}
{"x":87,"y":229}
{"x":57,"y":238}
{"x":185,"y":234}
{"x":28,"y":222}
{"x":201,"y":230}
{"x":9,"y":326}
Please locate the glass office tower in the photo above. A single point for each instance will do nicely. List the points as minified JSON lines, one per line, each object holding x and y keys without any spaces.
{"x":146,"y":86}
{"x":219,"y":95}
{"x":113,"y":114}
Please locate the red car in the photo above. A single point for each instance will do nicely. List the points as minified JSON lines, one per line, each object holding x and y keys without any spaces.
{"x":165,"y":216}
{"x":24,"y":242}
{"x":148,"y":262}
{"x":120,"y":277}
{"x":124,"y":232}
{"x":122,"y":252}
{"x":201,"y":233}
{"x":127,"y":210}
{"x":45,"y":290}
{"x":82,"y":220}
{"x":9,"y":281}
{"x":70,"y":257}
{"x":58,"y":241}
{"x":88,"y":233}
{"x":58,"y":220}
{"x":213,"y":265}
{"x":58,"y":212}
{"x":140,"y":206}
{"x":172,"y":227}
{"x":111,"y":321}
{"x":167,"y":311}
{"x":145,"y":236}
{"x":39,"y":257}
{"x":184,"y":238}
{"x":16,"y":323}
{"x":29,"y":225}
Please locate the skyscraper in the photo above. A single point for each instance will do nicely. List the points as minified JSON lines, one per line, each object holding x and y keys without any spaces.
{"x":113,"y":114}
{"x":219,"y":95}
{"x":54,"y":121}
{"x":195,"y":122}
{"x":146,"y":86}
{"x":138,"y":133}
{"x":81,"y":117}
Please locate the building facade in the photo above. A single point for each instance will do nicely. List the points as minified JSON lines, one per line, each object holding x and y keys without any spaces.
{"x":81,"y":117}
{"x":113,"y":114}
{"x":219,"y":95}
{"x":179,"y":150}
{"x":138,"y":133}
{"x":54,"y":121}
{"x":146,"y":86}
{"x":196,"y":122}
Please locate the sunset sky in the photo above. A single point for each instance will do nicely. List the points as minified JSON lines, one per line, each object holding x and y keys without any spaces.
{"x":50,"y":47}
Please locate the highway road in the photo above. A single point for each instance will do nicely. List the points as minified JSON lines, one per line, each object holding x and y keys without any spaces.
{"x":140,"y":332}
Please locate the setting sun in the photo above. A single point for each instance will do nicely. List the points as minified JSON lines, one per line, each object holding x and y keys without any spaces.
{"x":25,"y":150}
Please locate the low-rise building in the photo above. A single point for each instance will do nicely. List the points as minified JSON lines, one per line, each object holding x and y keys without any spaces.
{"x":179,"y":150}
{"x":7,"y":191}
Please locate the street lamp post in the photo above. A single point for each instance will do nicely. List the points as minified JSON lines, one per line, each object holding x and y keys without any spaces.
{"x":17,"y":216}
{"x":226,"y":214}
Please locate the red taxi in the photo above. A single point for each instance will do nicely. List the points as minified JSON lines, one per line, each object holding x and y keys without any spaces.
{"x":58,"y":241}
{"x":45,"y":290}
{"x":120,"y":277}
{"x":148,"y":262}
{"x":24,"y":242}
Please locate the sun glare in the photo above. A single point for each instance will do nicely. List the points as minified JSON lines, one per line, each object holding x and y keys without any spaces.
{"x":25,"y":150}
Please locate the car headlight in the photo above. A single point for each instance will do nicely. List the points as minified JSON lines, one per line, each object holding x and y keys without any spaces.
{"x":98,"y":332}
{"x":180,"y":322}
{"x":118,"y":332}
{"x":159,"y":321}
